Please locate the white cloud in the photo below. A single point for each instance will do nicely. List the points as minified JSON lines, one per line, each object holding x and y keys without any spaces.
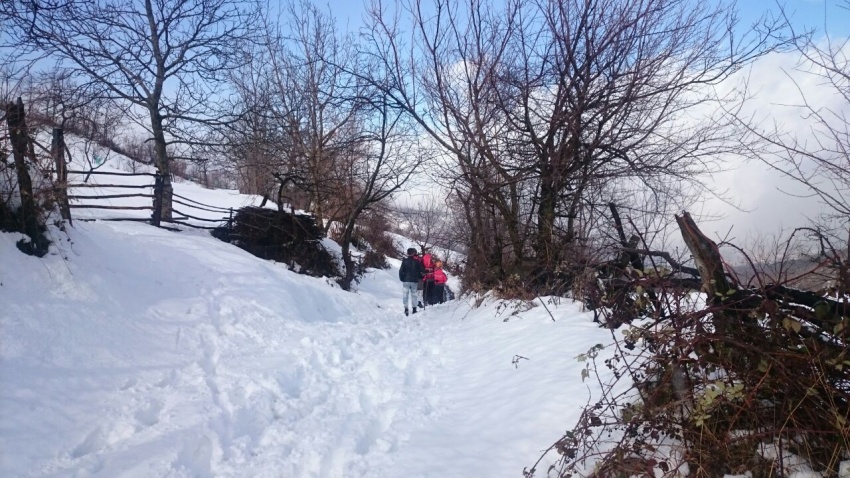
{"x":771,"y":201}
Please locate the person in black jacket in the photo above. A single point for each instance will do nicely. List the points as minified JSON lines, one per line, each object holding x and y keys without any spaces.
{"x":410,"y":274}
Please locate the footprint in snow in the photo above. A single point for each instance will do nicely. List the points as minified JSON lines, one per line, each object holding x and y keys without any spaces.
{"x":374,"y":435}
{"x":291,"y":382}
{"x":196,"y":456}
{"x":149,"y":415}
{"x":101,"y":437}
{"x":168,"y":380}
{"x":93,"y":442}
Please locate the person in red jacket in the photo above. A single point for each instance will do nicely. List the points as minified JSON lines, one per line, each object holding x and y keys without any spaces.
{"x":428,"y":279}
{"x":438,"y":288}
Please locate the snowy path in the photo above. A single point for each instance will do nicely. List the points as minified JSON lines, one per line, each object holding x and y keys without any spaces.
{"x":335,"y":395}
{"x":154,"y":354}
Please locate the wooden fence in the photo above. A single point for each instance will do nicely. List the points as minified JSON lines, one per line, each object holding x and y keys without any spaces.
{"x":82,"y":195}
{"x":94,"y":201}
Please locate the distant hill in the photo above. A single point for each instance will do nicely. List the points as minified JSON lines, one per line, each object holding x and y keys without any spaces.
{"x":802,"y":273}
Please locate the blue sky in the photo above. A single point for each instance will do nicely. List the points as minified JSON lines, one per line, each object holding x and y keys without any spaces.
{"x":820,"y":14}
{"x":804,"y":13}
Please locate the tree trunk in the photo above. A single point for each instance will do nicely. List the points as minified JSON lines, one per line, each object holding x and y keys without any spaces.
{"x":348,"y":275}
{"x":19,"y":136}
{"x":546,"y":223}
{"x":318,"y":212}
{"x":163,"y":165}
{"x":710,"y":265}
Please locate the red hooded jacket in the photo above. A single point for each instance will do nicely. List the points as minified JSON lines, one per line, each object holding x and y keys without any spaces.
{"x":440,"y":276}
{"x":429,"y":268}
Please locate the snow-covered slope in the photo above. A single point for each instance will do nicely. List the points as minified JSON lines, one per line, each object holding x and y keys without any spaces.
{"x":133,"y":351}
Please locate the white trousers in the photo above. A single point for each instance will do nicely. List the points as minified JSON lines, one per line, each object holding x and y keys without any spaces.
{"x":408,"y":292}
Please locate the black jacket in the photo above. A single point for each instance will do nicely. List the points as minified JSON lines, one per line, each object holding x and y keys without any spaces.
{"x":411,"y":270}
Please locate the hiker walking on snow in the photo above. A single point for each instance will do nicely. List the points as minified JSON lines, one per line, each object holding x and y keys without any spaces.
{"x":438,"y":290}
{"x":420,"y":285}
{"x":410,"y":273}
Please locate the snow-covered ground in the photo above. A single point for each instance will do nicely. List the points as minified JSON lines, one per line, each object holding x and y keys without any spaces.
{"x":132,"y":351}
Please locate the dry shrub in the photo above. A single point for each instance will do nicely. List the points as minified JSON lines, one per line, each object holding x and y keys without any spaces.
{"x":374,"y":227}
{"x":371,"y":256}
{"x":721,"y":385}
{"x":370,"y":238}
{"x":375,"y":260}
{"x":514,"y":287}
{"x":180,"y":169}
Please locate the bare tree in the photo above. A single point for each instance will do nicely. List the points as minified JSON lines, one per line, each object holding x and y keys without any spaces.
{"x":426,"y":223}
{"x":58,"y":101}
{"x":380,"y":166}
{"x":254,"y":144}
{"x":315,"y":102}
{"x":303,"y":108}
{"x":163,"y":60}
{"x":329,"y":143}
{"x":548,"y":109}
{"x":10,"y":86}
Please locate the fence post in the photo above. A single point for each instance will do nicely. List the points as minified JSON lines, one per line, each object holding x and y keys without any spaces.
{"x":60,"y":186}
{"x":230,"y":226}
{"x":157,"y":200}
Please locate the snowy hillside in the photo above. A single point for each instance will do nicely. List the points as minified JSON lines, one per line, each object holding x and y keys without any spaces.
{"x":132,"y":351}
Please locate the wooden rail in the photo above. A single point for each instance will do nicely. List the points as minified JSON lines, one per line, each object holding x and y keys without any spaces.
{"x":111,"y":173}
{"x":96,"y":206}
{"x":87,"y":185}
{"x":112,"y":196}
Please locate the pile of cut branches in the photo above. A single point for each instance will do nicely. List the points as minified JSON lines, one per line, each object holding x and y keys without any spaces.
{"x":294,"y":239}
